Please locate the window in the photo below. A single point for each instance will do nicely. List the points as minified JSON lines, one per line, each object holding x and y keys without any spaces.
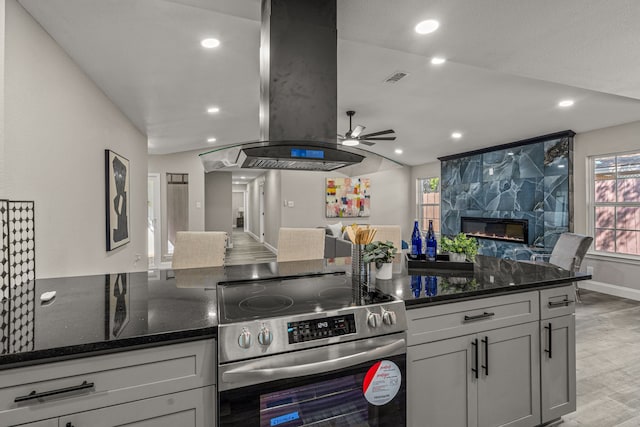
{"x":429,"y":203}
{"x":616,"y":197}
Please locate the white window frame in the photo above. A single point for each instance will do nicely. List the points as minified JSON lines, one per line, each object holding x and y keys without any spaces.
{"x":419,"y":204}
{"x":591,"y":209}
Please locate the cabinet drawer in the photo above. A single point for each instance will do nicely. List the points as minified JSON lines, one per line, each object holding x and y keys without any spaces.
{"x":93,"y":382}
{"x":467,"y":317}
{"x":557,"y":302}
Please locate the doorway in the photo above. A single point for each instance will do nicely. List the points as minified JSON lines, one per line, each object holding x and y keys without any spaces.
{"x":153,"y":220}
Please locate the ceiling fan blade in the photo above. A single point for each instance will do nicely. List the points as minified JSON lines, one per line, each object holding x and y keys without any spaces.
{"x":384,"y":138}
{"x":382,"y":132}
{"x":369,"y":143}
{"x":357,"y":131}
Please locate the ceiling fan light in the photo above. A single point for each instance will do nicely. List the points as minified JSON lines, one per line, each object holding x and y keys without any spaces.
{"x":350,"y":142}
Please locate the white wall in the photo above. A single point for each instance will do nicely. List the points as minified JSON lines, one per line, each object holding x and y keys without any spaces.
{"x":389,"y":199}
{"x":3,"y":186}
{"x":57,"y":126}
{"x":185,"y":162}
{"x":217,"y":197}
{"x":272,"y":207}
{"x":626,"y":137}
{"x":252,"y":215}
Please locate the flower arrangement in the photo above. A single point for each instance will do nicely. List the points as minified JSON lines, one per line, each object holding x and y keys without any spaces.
{"x":379,"y":252}
{"x":460,"y":244}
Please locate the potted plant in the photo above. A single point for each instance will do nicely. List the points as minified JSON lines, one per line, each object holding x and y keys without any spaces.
{"x":460,"y":247}
{"x":382,"y":253}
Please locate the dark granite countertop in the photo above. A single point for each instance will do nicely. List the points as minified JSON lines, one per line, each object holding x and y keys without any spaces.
{"x":106,"y":313}
{"x":490,"y":276}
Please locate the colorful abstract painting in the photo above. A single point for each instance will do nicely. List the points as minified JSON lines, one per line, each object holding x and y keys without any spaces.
{"x":348,"y":197}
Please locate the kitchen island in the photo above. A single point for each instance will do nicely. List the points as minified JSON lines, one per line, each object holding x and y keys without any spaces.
{"x":119,"y":323}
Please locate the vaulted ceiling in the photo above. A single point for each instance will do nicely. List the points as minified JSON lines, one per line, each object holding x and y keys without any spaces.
{"x":508,"y":65}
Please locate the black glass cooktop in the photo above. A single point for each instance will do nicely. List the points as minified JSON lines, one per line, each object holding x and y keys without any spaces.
{"x":256,"y":299}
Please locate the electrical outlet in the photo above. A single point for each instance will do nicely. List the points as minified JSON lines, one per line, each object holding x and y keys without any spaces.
{"x":590,"y":269}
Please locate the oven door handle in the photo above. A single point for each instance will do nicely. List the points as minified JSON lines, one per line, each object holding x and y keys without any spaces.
{"x":244,"y":374}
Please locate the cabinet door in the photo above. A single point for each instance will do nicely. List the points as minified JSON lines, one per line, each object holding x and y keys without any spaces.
{"x":509,"y":385}
{"x":558,"y":366}
{"x":441,"y":389}
{"x":191,"y":408}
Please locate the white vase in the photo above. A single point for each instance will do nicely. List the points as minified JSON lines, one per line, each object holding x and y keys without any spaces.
{"x":384,"y":272}
{"x":456,"y":257}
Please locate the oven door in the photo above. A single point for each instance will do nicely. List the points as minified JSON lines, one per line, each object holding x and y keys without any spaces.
{"x":358,"y":383}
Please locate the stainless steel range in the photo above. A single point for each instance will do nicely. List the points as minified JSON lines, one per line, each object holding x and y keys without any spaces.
{"x":309,"y":351}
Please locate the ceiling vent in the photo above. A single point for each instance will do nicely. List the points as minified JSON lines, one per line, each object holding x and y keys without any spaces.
{"x":395,"y":77}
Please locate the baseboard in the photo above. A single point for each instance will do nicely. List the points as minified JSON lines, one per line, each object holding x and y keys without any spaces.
{"x":253,"y":236}
{"x":271,"y":248}
{"x":606,"y":288}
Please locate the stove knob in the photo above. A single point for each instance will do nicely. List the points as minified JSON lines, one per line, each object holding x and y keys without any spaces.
{"x":389,"y":318}
{"x":373,"y":320}
{"x":244,"y":340}
{"x":265,"y":337}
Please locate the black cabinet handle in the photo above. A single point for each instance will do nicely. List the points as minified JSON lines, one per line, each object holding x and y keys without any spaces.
{"x":564,"y":302}
{"x":549,"y":350}
{"x":35,"y":395}
{"x":484,"y":315}
{"x":485,"y":341}
{"x":474,"y":343}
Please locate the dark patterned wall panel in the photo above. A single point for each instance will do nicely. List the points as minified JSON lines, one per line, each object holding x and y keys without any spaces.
{"x":22,"y":266}
{"x":530,"y":181}
{"x":4,"y":276}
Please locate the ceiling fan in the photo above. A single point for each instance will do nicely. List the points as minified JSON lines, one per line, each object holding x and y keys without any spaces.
{"x":355,"y":136}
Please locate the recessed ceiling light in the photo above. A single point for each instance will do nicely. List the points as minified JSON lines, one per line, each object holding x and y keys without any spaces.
{"x":565,"y":103}
{"x":210,"y":43}
{"x":236,"y":182}
{"x":211,"y":140}
{"x":456,"y":135}
{"x":243,"y":177}
{"x":398,"y":150}
{"x":213,"y":110}
{"x":437,"y":60}
{"x":350,"y":142}
{"x":426,"y":27}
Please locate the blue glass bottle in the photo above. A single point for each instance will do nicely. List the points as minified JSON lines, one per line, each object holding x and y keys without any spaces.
{"x":416,"y":239}
{"x":432,"y":244}
{"x":431,"y":286}
{"x":416,"y":285}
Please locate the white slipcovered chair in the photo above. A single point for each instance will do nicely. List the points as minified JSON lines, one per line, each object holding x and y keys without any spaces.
{"x":392,"y":233}
{"x":299,"y":244}
{"x":199,"y":249}
{"x":568,"y":253}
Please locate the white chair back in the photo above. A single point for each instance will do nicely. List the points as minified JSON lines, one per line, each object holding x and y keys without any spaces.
{"x":570,"y":250}
{"x":199,"y":249}
{"x":299,"y":244}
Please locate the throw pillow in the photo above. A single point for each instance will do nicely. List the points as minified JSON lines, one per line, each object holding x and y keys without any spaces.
{"x":336,"y":229}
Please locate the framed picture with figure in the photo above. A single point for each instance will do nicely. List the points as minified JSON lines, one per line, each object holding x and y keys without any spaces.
{"x":117,"y":304}
{"x":117,"y":199}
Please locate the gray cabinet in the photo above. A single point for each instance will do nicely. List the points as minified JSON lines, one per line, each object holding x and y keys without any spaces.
{"x":109,"y":381}
{"x":558,"y":366}
{"x":441,"y":392}
{"x":444,"y":389}
{"x":191,"y":408}
{"x":509,"y":384}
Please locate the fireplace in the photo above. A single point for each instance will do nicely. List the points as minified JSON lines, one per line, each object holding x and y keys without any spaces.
{"x":507,"y":230}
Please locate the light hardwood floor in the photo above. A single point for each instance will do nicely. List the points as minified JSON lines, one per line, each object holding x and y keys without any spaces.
{"x":608,"y":362}
{"x":247,"y":250}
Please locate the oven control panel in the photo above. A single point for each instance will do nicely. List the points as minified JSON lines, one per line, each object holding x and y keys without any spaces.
{"x":326,"y":327}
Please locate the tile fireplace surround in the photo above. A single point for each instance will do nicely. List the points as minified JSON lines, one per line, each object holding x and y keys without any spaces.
{"x":524,"y":180}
